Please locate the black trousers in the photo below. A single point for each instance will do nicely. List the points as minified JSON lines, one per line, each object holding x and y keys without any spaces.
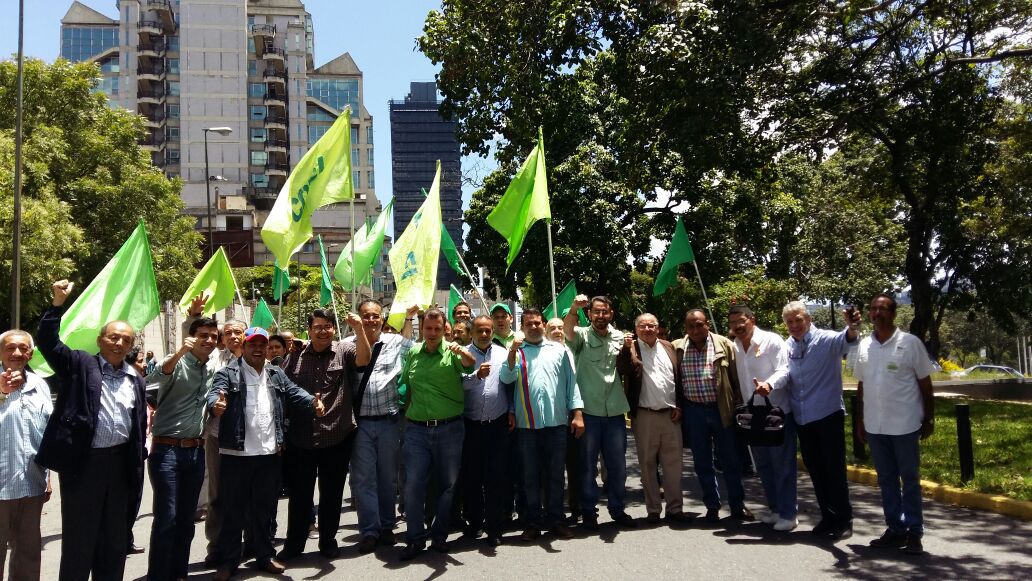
{"x":95,"y":516}
{"x":574,"y":473}
{"x":248,"y":490}
{"x":330,"y":466}
{"x":823,"y":446}
{"x":484,"y":474}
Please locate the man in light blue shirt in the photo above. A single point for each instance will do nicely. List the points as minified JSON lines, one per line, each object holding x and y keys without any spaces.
{"x":25,"y":407}
{"x":814,"y":385}
{"x":489,"y":422}
{"x":546,"y":393}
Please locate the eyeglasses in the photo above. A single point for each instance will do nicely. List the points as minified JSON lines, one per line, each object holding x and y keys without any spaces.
{"x":318,"y":328}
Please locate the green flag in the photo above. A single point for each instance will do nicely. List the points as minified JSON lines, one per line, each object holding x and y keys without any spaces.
{"x":450,"y":252}
{"x":326,"y":288}
{"x":215,"y":280}
{"x":563,"y":300}
{"x":368,"y":243}
{"x":263,"y":316}
{"x":323,"y":176}
{"x":280,"y":281}
{"x":125,"y":290}
{"x":454,"y":298}
{"x":414,"y":256}
{"x":524,"y":202}
{"x":680,"y":252}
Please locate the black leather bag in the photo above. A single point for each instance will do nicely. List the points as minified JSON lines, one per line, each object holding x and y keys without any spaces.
{"x":760,"y":425}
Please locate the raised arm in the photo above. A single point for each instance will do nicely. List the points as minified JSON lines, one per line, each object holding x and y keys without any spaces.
{"x":570,"y":320}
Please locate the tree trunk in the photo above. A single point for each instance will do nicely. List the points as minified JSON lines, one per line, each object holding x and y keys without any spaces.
{"x":923,"y":295}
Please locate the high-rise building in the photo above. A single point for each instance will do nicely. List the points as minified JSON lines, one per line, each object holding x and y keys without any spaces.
{"x":191,"y":66}
{"x":420,"y":137}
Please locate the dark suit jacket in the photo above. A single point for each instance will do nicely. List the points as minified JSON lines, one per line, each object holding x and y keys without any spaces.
{"x":69,"y":433}
{"x":628,"y":364}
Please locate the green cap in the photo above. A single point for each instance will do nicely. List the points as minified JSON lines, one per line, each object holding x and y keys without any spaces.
{"x":502,"y":306}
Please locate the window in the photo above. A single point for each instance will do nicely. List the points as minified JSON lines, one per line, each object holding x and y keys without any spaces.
{"x":234,"y":222}
{"x":256,"y":89}
{"x":250,"y":46}
{"x":354,"y":156}
{"x":337,"y":93}
{"x":172,"y":156}
{"x":259,"y":134}
{"x":172,"y":133}
{"x":259,"y":180}
{"x":370,"y":160}
{"x":258,"y":112}
{"x":354,"y":135}
{"x":252,"y":68}
{"x":172,"y":110}
{"x":369,"y":134}
{"x":315,"y":132}
{"x":173,"y":44}
{"x":109,"y":65}
{"x":259,"y":158}
{"x":319,"y":114}
{"x":173,"y":66}
{"x":173,"y":88}
{"x":370,"y":182}
{"x":108,"y":86}
{"x":356,"y":178}
{"x":80,"y":43}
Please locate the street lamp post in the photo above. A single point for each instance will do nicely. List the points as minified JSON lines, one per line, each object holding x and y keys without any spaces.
{"x":207,"y":182}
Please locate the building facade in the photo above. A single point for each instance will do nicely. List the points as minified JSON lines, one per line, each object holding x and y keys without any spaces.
{"x":420,"y":137}
{"x":191,"y":66}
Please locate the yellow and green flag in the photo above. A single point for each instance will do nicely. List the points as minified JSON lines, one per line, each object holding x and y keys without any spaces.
{"x":215,"y":281}
{"x":563,"y":301}
{"x":525,"y":201}
{"x":368,"y":244}
{"x":414,"y":256}
{"x":323,"y":176}
{"x":263,"y":316}
{"x":326,"y":286}
{"x":280,"y":281}
{"x":125,"y":290}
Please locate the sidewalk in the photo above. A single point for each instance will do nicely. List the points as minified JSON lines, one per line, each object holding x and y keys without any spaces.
{"x":961,"y":543}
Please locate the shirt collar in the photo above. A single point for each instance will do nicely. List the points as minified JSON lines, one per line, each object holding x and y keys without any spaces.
{"x":125,"y":369}
{"x":441,"y":347}
{"x":477,"y":349}
{"x":892,"y":337}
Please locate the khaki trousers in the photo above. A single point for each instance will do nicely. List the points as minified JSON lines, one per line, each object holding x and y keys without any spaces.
{"x":659,"y":442}
{"x":19,"y":526}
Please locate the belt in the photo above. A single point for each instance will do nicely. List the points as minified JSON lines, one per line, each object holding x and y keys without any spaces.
{"x":655,"y":410}
{"x":486,"y":422}
{"x":380,"y":417}
{"x":179,"y":442}
{"x":696,"y":404}
{"x":434,"y":423}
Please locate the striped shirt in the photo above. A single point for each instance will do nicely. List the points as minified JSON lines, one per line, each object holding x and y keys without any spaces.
{"x":697,"y":374}
{"x":486,"y":399}
{"x":381,"y":392}
{"x":117,"y":398}
{"x":23,"y":417}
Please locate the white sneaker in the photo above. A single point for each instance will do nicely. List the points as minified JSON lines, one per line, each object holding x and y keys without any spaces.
{"x":769,"y":518}
{"x":785,"y":524}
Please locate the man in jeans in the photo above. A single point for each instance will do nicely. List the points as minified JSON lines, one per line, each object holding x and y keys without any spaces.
{"x":374,"y":457}
{"x":545,"y":399}
{"x":176,"y":461}
{"x":595,"y":348}
{"x":433,"y":437}
{"x":896,"y":408}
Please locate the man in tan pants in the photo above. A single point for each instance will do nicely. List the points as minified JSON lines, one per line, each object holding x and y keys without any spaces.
{"x":649,"y":367}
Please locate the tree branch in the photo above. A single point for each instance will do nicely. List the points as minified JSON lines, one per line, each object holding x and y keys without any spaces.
{"x":1006,"y":54}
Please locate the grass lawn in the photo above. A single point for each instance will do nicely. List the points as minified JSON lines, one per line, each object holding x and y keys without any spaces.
{"x":1001,"y":434}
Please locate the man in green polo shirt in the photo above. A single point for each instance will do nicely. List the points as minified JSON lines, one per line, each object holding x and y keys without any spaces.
{"x":594,"y":349}
{"x":501,"y":316}
{"x":434,"y":432}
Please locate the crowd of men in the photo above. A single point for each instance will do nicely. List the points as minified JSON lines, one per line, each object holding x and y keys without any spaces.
{"x":472,"y":423}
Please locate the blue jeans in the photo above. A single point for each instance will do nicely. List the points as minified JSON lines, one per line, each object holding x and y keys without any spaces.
{"x":898,"y":458}
{"x":705,"y":433}
{"x":431,"y":451}
{"x":608,"y":434}
{"x":542,"y":456}
{"x":374,"y":473}
{"x":176,"y":476}
{"x":777,"y":468}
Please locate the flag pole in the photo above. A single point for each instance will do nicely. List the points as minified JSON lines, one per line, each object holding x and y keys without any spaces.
{"x":240,"y":297}
{"x":551,"y":266}
{"x":470,"y":275}
{"x":704,"y":298}
{"x":354,"y":283}
{"x":333,"y":298}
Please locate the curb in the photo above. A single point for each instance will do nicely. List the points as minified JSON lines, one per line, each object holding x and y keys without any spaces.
{"x":952,"y":495}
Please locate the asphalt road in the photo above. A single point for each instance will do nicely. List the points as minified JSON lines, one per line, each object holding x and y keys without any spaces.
{"x":960,"y":543}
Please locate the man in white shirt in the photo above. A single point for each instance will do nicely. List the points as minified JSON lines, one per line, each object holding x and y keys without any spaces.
{"x":762,"y":357}
{"x":896,"y":409}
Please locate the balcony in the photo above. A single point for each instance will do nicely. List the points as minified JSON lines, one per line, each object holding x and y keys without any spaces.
{"x":263,"y":31}
{"x":276,"y":145}
{"x":150,"y":96}
{"x":274,"y":121}
{"x":276,"y":99}
{"x":162,"y":9}
{"x":150,"y":27}
{"x":238,"y":244}
{"x":154,"y":50}
{"x":277,"y":169}
{"x":153,"y":142}
{"x":273,"y":53}
{"x":274,"y":76}
{"x":263,"y":198}
{"x":155,"y":119}
{"x":150,"y":72}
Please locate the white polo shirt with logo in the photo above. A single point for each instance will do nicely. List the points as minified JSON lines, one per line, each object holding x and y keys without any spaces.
{"x":892,"y":398}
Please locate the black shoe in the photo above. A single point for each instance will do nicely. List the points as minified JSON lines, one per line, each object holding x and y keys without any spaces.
{"x":412,"y":550}
{"x":288,"y":554}
{"x":571,"y":521}
{"x":913,"y":545}
{"x":712,"y":515}
{"x":530,"y":535}
{"x":471,"y":533}
{"x":562,"y":531}
{"x":367,"y":544}
{"x":329,"y":551}
{"x":842,"y":531}
{"x":589,"y":523}
{"x":439,"y":545}
{"x":653,"y":518}
{"x":742,"y":514}
{"x":135,"y":549}
{"x":387,"y":538}
{"x":625,"y":520}
{"x":494,"y":540}
{"x":823,"y":528}
{"x":889,"y":540}
{"x":678,"y":519}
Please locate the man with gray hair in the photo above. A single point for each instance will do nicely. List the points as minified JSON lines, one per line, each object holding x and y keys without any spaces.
{"x":25,"y":407}
{"x":814,"y":386}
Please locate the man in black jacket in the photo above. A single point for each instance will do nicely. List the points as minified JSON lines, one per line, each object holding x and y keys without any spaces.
{"x":94,"y":441}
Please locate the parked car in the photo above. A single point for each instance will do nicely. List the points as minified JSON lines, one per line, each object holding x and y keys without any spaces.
{"x":996,"y":370}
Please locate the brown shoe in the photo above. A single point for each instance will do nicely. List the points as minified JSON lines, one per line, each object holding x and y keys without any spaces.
{"x":742,"y":514}
{"x":562,"y":531}
{"x":272,"y":566}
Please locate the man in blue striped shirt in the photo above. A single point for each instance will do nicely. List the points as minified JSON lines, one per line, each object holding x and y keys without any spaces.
{"x":25,"y":408}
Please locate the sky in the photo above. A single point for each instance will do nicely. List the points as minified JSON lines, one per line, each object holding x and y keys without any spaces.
{"x":382,"y":45}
